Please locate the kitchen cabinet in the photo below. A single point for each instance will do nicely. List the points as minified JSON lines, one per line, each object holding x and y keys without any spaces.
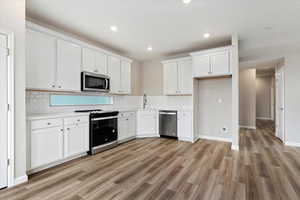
{"x":120,"y":75}
{"x":94,"y":61}
{"x":178,"y":77}
{"x":76,"y":139}
{"x":68,"y":66}
{"x":147,"y":123}
{"x":212,"y":63}
{"x":185,"y":126}
{"x":55,"y":140}
{"x":126,"y":126}
{"x":46,"y":145}
{"x":40,"y":60}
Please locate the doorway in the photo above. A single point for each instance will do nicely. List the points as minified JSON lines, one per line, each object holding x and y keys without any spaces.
{"x":6,"y":110}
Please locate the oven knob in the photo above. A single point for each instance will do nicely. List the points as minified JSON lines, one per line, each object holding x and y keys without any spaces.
{"x":113,"y":130}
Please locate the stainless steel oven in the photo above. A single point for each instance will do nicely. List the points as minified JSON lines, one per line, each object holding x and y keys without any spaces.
{"x":95,"y":82}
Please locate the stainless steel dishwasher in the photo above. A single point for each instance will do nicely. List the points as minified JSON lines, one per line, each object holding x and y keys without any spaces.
{"x":168,"y":123}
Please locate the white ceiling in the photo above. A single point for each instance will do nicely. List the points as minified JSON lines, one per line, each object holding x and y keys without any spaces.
{"x":170,"y":26}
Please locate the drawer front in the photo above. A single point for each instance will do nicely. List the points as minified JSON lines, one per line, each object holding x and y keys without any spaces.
{"x":127,"y":114}
{"x":76,"y":120}
{"x":46,"y":123}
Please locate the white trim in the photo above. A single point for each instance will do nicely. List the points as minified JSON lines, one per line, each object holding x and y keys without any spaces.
{"x":235,"y":147}
{"x":11,"y":102}
{"x":215,"y":50}
{"x":148,"y":136}
{"x":264,"y":118}
{"x":20,"y":180}
{"x":186,"y":139}
{"x":248,"y":127}
{"x":292,"y":144}
{"x":215,"y":138}
{"x":177,"y":60}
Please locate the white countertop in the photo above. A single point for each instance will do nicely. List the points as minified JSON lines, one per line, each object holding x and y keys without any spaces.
{"x":37,"y":116}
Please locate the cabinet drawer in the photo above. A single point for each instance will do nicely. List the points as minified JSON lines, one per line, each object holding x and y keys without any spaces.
{"x":46,"y":123}
{"x":76,"y":120}
{"x":127,"y":114}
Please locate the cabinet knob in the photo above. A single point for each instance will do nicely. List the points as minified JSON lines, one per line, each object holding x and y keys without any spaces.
{"x":62,"y":130}
{"x":68,"y":129}
{"x":48,"y":123}
{"x":53,"y":86}
{"x":59,"y":86}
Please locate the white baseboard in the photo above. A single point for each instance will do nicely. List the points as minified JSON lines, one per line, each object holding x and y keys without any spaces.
{"x":215,"y":138}
{"x":292,"y":144}
{"x":248,"y":127}
{"x":264,"y":118}
{"x":147,"y":136}
{"x":20,"y":180}
{"x":235,"y":147}
{"x":186,"y":140}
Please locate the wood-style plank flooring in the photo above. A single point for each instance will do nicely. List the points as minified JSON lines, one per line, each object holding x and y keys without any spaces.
{"x":163,"y":169}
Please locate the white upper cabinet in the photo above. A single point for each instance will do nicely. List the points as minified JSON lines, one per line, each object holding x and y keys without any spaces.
{"x":40,"y":60}
{"x":120,"y":75}
{"x":125,"y":77}
{"x":114,"y":71}
{"x":94,"y":61}
{"x":178,"y":78}
{"x":185,"y":78}
{"x":68,"y":66}
{"x":214,"y":62}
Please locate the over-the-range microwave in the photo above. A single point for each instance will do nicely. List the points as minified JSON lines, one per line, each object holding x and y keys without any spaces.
{"x":95,"y":82}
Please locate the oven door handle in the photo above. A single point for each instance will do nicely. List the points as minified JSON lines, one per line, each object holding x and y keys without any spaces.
{"x":104,"y":118}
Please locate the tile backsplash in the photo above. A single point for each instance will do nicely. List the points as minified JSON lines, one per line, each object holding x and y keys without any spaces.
{"x":38,"y":102}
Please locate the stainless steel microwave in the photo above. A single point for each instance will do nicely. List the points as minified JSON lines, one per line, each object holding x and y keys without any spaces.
{"x":95,"y":82}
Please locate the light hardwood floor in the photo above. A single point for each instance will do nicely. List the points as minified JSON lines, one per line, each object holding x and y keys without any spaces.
{"x":263,"y":169}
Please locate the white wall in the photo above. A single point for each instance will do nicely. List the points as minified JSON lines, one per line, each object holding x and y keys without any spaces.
{"x":152,"y":78}
{"x":215,"y":108}
{"x":247,"y":94}
{"x":292,"y":98}
{"x":13,"y":19}
{"x":263,"y":97}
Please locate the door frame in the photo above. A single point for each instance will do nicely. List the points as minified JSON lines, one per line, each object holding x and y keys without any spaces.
{"x":11,"y":110}
{"x":283,"y":99}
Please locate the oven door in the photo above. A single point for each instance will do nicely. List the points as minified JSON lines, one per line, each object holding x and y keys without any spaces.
{"x":103,"y":131}
{"x":95,"y":82}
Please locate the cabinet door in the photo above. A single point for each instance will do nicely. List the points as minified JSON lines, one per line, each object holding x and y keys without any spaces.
{"x":185,"y":126}
{"x":68,"y":66}
{"x":185,"y":78}
{"x":40,"y":60}
{"x":122,"y":128}
{"x":126,"y":77}
{"x":88,"y":60}
{"x":76,"y":139}
{"x":101,"y":63}
{"x":201,"y":66}
{"x":131,"y":126}
{"x":114,"y":71}
{"x":147,"y":124}
{"x":170,"y":78}
{"x":46,"y":146}
{"x":220,"y":63}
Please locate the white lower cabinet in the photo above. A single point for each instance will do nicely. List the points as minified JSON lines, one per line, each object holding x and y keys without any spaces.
{"x":55,"y":140}
{"x":76,"y":139}
{"x":126,"y":126}
{"x":185,"y":126}
{"x":46,"y":146}
{"x":147,"y":123}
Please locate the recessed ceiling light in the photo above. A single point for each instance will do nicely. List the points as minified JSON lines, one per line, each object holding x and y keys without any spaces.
{"x":206,"y":35}
{"x":186,"y":1}
{"x":149,"y":48}
{"x":114,"y":28}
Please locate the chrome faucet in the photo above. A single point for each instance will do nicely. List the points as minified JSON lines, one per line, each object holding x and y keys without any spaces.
{"x":145,"y":101}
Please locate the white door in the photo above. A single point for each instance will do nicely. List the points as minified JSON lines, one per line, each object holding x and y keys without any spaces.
{"x":68,"y":66}
{"x":126,"y":77}
{"x":88,"y":60}
{"x":185,"y":126}
{"x":114,"y":71}
{"x":101,"y":63}
{"x":170,"y":78}
{"x":280,"y":103}
{"x":122,"y":128}
{"x":40,"y":60}
{"x":185,"y":78}
{"x":46,"y":146}
{"x":3,"y":111}
{"x":146,"y":124}
{"x":131,"y":126}
{"x":220,"y":63}
{"x":201,"y":66}
{"x":76,"y":139}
